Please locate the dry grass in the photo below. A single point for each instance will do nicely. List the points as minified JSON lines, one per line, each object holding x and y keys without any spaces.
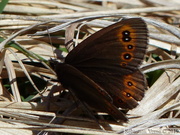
{"x":30,"y":28}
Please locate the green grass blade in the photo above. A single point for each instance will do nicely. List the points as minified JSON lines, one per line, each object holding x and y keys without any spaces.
{"x":3,"y":3}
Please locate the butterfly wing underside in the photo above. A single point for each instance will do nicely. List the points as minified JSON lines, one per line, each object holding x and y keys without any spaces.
{"x":111,"y":58}
{"x":87,"y":91}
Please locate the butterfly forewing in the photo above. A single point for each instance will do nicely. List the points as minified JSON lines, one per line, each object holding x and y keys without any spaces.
{"x":111,"y":58}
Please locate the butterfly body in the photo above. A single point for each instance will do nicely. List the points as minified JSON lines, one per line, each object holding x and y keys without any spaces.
{"x":103,"y":70}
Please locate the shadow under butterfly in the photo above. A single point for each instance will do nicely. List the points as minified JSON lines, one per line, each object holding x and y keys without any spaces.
{"x":103,"y":70}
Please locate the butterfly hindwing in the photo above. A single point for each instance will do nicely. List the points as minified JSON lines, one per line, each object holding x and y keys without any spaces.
{"x":87,"y":90}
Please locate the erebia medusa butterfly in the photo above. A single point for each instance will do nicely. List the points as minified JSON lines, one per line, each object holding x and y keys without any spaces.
{"x":103,"y":70}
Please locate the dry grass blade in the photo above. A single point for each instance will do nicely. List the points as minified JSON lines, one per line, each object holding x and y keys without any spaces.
{"x":161,"y":65}
{"x":117,"y":12}
{"x":166,"y":86}
{"x":12,"y":78}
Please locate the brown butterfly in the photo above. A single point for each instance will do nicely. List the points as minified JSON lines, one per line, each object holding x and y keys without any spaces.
{"x":103,"y":70}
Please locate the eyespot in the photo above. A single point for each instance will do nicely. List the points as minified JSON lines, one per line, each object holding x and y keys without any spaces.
{"x":130,"y":47}
{"x":126,"y":36}
{"x":126,"y":33}
{"x":126,"y":39}
{"x":129,"y":83}
{"x":127,"y":56}
{"x":123,"y":64}
{"x":128,"y":94}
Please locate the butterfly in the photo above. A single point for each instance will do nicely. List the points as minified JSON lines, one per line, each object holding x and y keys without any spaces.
{"x":103,"y":70}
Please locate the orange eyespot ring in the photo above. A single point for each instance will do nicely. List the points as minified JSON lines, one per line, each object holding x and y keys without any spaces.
{"x":123,"y":64}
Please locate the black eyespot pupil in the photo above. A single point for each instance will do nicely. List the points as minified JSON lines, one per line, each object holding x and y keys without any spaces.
{"x":126,"y":36}
{"x":128,"y":94}
{"x":127,"y":56}
{"x":130,"y":47}
{"x":126,"y":39}
{"x":126,"y":33}
{"x":129,"y":83}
